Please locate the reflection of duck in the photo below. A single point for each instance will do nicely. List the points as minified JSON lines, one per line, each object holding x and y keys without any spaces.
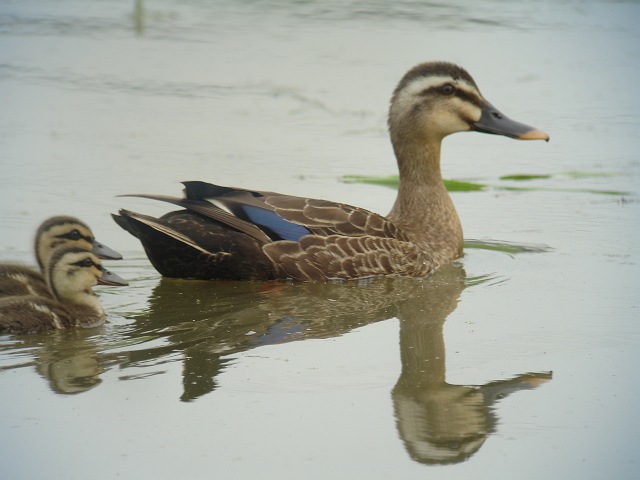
{"x":230,"y":233}
{"x":71,"y":273}
{"x":206,"y":322}
{"x":52,"y":233}
{"x":440,"y":422}
{"x":209,"y":320}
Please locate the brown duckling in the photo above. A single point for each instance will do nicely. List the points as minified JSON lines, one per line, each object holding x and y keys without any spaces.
{"x":233,"y":233}
{"x":54,"y":232}
{"x":71,"y":273}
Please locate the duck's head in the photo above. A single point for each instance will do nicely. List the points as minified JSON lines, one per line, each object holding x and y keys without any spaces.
{"x":64,"y":230}
{"x":72,"y":272}
{"x":436,"y":99}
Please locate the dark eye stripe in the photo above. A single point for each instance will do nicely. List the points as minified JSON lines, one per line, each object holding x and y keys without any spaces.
{"x":468,"y":97}
{"x":75,"y":236}
{"x":87,"y":263}
{"x":461,"y":94}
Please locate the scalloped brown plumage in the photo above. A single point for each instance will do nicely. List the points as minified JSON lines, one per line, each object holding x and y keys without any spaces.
{"x":233,"y":233}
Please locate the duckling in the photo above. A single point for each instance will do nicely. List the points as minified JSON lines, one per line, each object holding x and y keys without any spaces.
{"x":71,"y":273}
{"x":233,"y":233}
{"x":52,"y":233}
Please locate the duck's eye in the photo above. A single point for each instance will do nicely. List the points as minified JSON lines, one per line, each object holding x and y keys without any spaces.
{"x":447,"y":89}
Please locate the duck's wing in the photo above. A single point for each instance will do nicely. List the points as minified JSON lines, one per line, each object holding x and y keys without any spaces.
{"x":339,"y":257}
{"x":287,"y":217}
{"x":317,"y":239}
{"x":209,"y":210}
{"x":301,"y":238}
{"x":185,"y":244}
{"x":139,"y":225}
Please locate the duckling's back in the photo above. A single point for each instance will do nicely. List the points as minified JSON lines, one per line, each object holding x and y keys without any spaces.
{"x":21,"y":280}
{"x":31,"y":314}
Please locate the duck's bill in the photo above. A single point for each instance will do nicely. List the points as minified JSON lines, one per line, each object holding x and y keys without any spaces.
{"x":495,"y":122}
{"x":110,"y":278}
{"x":102,"y":251}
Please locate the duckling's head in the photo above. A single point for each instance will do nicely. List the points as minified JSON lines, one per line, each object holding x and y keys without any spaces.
{"x":64,"y":230}
{"x":436,"y":99}
{"x":72,"y":272}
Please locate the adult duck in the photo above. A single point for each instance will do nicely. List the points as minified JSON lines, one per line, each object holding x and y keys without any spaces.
{"x":54,"y":232}
{"x":233,"y":233}
{"x":71,"y":273}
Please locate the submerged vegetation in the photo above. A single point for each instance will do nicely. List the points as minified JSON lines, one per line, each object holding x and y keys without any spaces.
{"x":391,"y":181}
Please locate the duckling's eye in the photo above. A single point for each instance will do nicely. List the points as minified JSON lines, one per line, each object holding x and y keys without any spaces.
{"x":87,"y":262}
{"x":447,"y":89}
{"x":73,"y":235}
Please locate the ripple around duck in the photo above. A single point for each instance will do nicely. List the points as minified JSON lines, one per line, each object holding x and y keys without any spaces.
{"x":15,"y":355}
{"x":488,"y":279}
{"x":510,"y":248}
{"x":507,"y":249}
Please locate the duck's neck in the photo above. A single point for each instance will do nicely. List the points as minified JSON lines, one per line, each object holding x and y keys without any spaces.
{"x":423,"y":208}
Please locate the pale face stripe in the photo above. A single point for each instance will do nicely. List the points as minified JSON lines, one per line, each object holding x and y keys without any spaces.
{"x":463,"y":107}
{"x":420,"y":84}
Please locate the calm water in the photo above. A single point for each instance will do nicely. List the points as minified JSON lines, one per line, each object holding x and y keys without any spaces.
{"x":516,"y":361}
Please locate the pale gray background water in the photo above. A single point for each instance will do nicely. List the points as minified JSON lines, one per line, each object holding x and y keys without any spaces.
{"x":194,"y":380}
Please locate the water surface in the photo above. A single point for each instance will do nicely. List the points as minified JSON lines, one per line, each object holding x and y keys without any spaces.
{"x":519,"y":359}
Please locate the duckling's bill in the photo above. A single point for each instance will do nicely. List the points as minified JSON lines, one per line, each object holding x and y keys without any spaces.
{"x":110,"y":278}
{"x":495,"y":122}
{"x":102,"y":251}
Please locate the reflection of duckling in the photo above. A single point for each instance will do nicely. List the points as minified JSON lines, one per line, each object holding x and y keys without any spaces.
{"x":52,"y":233}
{"x":71,"y":273}
{"x":69,"y":363}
